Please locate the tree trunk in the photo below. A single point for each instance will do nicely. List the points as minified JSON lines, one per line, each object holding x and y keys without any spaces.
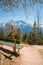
{"x":14,"y":49}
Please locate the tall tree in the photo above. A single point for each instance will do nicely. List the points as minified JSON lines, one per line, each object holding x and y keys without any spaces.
{"x":2,"y":33}
{"x":35,"y":28}
{"x":18,"y":35}
{"x":26,"y":38}
{"x":10,"y":34}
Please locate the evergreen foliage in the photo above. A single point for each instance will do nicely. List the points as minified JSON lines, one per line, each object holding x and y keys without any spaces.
{"x":32,"y":38}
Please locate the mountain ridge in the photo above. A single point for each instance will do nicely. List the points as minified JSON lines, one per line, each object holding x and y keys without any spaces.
{"x":24,"y":27}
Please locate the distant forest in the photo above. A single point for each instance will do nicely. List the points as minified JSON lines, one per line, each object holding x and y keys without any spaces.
{"x":35,"y":37}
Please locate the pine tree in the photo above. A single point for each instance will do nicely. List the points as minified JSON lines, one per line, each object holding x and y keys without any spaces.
{"x":2,"y":33}
{"x":26,"y":38}
{"x":35,"y":28}
{"x":18,"y":35}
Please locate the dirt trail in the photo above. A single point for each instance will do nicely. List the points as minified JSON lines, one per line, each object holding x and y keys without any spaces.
{"x":29,"y":55}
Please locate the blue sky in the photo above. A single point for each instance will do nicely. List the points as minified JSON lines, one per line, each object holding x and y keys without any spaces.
{"x":20,"y":15}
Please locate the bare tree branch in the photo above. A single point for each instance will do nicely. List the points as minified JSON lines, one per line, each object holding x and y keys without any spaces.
{"x":9,"y":5}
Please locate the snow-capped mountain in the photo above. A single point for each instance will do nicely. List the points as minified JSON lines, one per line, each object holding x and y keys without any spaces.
{"x":20,"y":23}
{"x":24,"y":27}
{"x":8,"y":26}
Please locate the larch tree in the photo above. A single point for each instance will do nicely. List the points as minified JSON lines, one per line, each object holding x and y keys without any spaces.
{"x":10,"y":34}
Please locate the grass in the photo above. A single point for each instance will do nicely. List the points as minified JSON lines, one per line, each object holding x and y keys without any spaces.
{"x":7,"y":57}
{"x":6,"y":61}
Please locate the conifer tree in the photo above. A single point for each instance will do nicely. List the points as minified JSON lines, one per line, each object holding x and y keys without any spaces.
{"x":2,"y":33}
{"x":18,"y":35}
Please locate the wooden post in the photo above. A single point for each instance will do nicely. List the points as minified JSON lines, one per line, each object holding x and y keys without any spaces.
{"x":18,"y":50}
{"x":14,"y":49}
